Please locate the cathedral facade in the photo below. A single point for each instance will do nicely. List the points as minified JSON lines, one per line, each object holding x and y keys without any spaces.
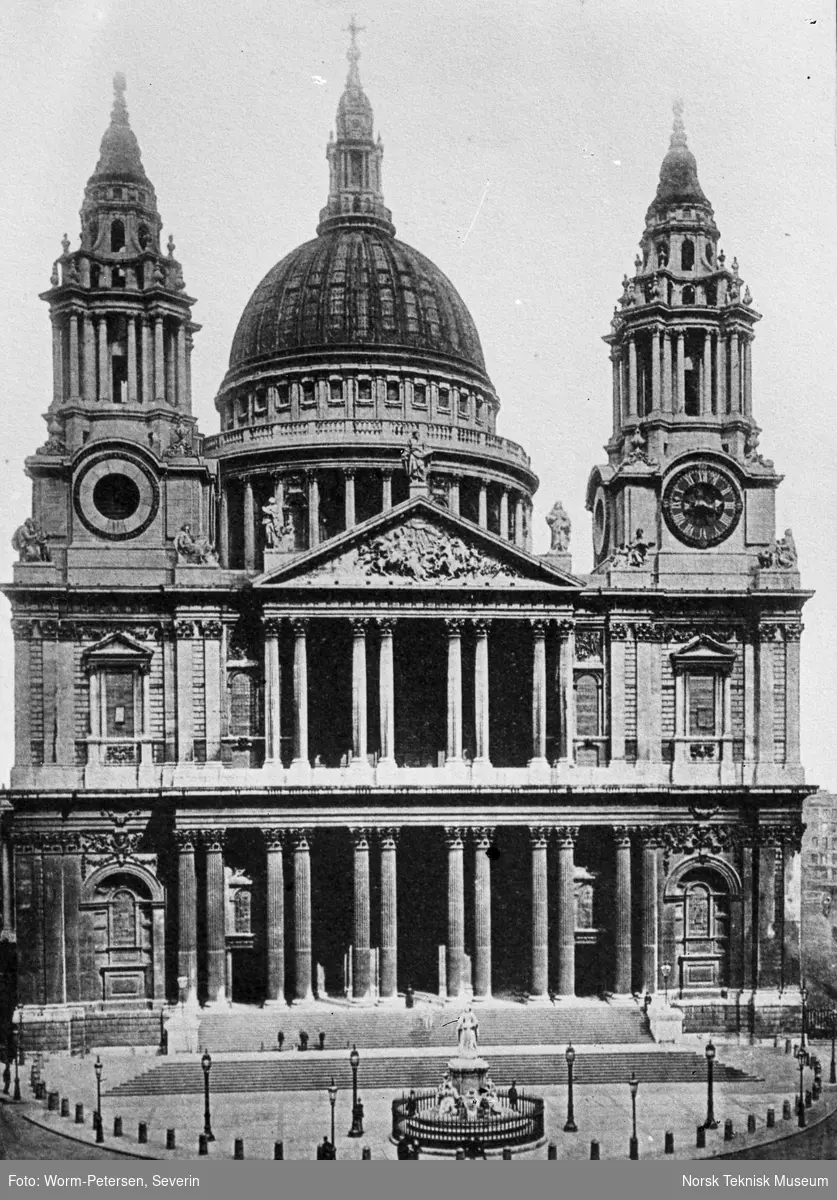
{"x":299,"y":714}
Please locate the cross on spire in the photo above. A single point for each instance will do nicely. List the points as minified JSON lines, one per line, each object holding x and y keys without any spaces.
{"x":353,"y":53}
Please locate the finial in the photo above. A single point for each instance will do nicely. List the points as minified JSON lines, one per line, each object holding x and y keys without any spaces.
{"x":53,"y":279}
{"x":678,"y":133}
{"x":353,"y":53}
{"x":170,"y":246}
{"x":120,"y":111}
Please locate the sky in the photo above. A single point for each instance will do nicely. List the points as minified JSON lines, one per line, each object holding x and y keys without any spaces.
{"x":523,"y":143}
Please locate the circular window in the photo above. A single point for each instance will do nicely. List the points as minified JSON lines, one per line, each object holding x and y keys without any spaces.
{"x":116,"y":497}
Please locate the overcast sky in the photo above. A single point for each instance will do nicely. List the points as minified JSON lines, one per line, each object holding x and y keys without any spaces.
{"x":522,"y":147}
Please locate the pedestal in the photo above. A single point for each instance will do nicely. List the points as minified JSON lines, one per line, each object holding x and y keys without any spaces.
{"x":467,"y":1073}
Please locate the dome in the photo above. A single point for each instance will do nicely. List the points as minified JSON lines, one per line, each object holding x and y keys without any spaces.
{"x":679,"y":185}
{"x":356,"y":286}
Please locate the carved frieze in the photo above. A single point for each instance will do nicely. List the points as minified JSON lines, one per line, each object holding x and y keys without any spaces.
{"x":700,"y":839}
{"x":588,"y":645}
{"x":419,"y":550}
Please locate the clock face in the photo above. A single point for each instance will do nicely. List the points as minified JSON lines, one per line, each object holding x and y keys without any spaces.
{"x":702,"y":505}
{"x":116,"y":497}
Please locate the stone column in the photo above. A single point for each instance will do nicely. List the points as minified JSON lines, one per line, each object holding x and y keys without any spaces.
{"x":650,"y":915}
{"x":680,"y":401}
{"x":389,"y":914}
{"x":616,"y":362}
{"x":518,"y":522}
{"x":622,"y":974}
{"x":313,"y":510}
{"x":655,"y":369}
{"x":6,"y":868}
{"x":539,"y":984}
{"x":57,"y":360}
{"x":182,"y":396}
{"x":764,"y":731}
{"x":706,"y":375}
{"x":159,"y":362}
{"x":483,"y":841}
{"x":769,"y":914}
{"x":566,"y":664}
{"x":300,"y":627}
{"x":386,"y":490}
{"x":538,"y":758}
{"x":567,"y":835}
{"x":272,"y":692}
{"x":715,"y":382}
{"x":793,"y":633}
{"x":748,"y":377}
{"x":74,"y":385}
{"x":791,"y":860}
{"x":734,"y":373}
{"x":454,"y":738}
{"x":618,"y":636}
{"x":349,"y":497}
{"x":359,"y":739}
{"x":456,"y":912}
{"x":504,"y":514}
{"x":483,"y":506}
{"x":275,"y":931}
{"x":88,"y":344}
{"x":104,"y":359}
{"x":481,"y":699}
{"x":187,"y":920}
{"x":302,"y":913}
{"x":361,"y":977}
{"x":667,"y":389}
{"x":632,"y":412}
{"x":132,"y":360}
{"x":723,"y":397}
{"x":453,"y":494}
{"x":216,"y":940}
{"x":224,"y":529}
{"x":184,"y":634}
{"x":386,"y":686}
{"x":145,"y":359}
{"x":249,"y":527}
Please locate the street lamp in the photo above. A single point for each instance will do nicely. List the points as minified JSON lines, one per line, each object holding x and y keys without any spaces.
{"x":570,"y":1126}
{"x":710,"y":1122}
{"x":832,"y":1078}
{"x":97,"y":1067}
{"x":801,"y":1056}
{"x":666,"y":970}
{"x":633,"y":1084}
{"x":16,"y":1095}
{"x":332,"y":1099}
{"x":357,"y":1109}
{"x":206,"y":1063}
{"x":804,"y":995}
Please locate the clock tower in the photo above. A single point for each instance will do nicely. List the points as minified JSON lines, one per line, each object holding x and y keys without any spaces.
{"x":685,"y":499}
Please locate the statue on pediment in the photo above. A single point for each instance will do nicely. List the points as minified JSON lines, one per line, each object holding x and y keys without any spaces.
{"x":781,"y":555}
{"x":416,"y":458}
{"x":30,"y":542}
{"x":560,"y":528}
{"x":278,"y":533}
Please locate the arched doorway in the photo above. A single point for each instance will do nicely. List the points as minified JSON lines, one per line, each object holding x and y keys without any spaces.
{"x":701,"y":896}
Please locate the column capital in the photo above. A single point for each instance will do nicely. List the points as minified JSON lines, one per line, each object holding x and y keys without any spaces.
{"x":186,"y":840}
{"x":184,"y":630}
{"x":650,"y":836}
{"x":566,"y":836}
{"x":385,"y":624}
{"x":481,"y":626}
{"x":301,"y":839}
{"x":483,"y":836}
{"x":454,"y":837}
{"x":360,"y":625}
{"x":361,"y":836}
{"x":618,"y":631}
{"x":387,"y":471}
{"x":272,"y":626}
{"x":300,"y":626}
{"x":539,"y":626}
{"x":622,"y":835}
{"x":539,"y":836}
{"x":274,"y":838}
{"x":350,"y":472}
{"x":211,"y":630}
{"x":454,"y":626}
{"x":213,"y":839}
{"x":388,"y":836}
{"x":565,"y":627}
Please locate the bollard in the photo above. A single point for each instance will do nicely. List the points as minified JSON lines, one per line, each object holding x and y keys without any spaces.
{"x":552,"y":1151}
{"x":203,"y":1145}
{"x":669,"y":1141}
{"x":594,"y":1150}
{"x":507,"y":1154}
{"x":366,"y":1154}
{"x":65,"y":1107}
{"x":460,"y":1154}
{"x":751,"y":1122}
{"x":278,"y":1151}
{"x":771,"y":1117}
{"x":787,"y":1045}
{"x":786,"y":1110}
{"x":142,"y":1133}
{"x":238,"y":1148}
{"x":808,"y":1098}
{"x":117,"y":1127}
{"x":171,"y":1139}
{"x":816,"y":1089}
{"x":700,"y":1140}
{"x":79,"y":1114}
{"x":52,"y":1102}
{"x":728,"y":1129}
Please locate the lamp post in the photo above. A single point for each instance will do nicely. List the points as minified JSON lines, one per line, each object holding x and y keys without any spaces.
{"x":357,"y":1112}
{"x":832,"y":1078}
{"x":97,"y":1067}
{"x":332,"y":1099}
{"x":710,"y":1122}
{"x":666,"y":970}
{"x":570,"y":1126}
{"x":206,"y":1063}
{"x":801,"y":1057}
{"x":16,"y":1094}
{"x":803,"y":992}
{"x":633,"y":1084}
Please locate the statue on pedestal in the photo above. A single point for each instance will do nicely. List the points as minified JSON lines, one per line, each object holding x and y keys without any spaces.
{"x":467,"y":1033}
{"x":415,"y":458}
{"x":31,"y":544}
{"x":560,"y":527}
{"x":195,"y":551}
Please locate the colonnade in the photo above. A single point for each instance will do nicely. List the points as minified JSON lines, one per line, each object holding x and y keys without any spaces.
{"x":724,"y":367}
{"x":477,"y":840}
{"x":157,"y":358}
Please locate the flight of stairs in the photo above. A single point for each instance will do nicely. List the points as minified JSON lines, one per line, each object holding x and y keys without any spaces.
{"x":302,"y":1072}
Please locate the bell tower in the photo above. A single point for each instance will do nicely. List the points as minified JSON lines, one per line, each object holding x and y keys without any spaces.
{"x":685,"y":498}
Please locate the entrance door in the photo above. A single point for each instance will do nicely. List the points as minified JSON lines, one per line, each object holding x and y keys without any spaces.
{"x":702,"y":930}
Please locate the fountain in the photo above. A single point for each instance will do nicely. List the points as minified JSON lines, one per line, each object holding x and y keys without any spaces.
{"x":467,"y":1109}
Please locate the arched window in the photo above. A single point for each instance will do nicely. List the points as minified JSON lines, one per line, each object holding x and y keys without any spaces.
{"x":95,"y":277}
{"x":117,"y":235}
{"x":241,"y":704}
{"x":587,"y":708}
{"x":144,"y":237}
{"x":123,"y":930}
{"x":687,"y":255}
{"x":688,"y":294}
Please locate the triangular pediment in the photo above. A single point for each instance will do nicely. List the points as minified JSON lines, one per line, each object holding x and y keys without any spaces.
{"x":117,"y":649}
{"x":416,"y":544}
{"x":703,"y":651}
